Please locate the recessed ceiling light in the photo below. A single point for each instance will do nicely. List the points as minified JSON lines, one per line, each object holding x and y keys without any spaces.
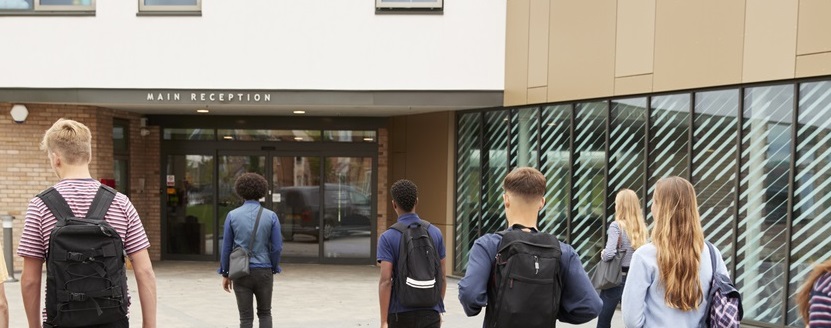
{"x":202,"y":111}
{"x":368,"y":139}
{"x":228,"y":138}
{"x":299,"y":112}
{"x":298,"y":138}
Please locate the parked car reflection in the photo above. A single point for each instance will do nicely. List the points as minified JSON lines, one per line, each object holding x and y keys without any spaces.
{"x":347,"y":211}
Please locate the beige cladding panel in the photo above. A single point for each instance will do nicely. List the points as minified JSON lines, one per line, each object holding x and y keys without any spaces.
{"x":516,"y":52}
{"x":698,"y":43}
{"x":769,"y":40}
{"x":537,"y":95}
{"x":581,"y":49}
{"x":813,"y":65}
{"x":814,"y":27}
{"x":538,"y":44}
{"x":633,"y":84}
{"x":635,"y":43}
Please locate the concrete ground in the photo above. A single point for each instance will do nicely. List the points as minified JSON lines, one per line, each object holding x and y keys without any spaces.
{"x":305,"y":295}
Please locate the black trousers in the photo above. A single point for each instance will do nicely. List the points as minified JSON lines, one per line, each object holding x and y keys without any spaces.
{"x":259,"y":284}
{"x":119,"y":324}
{"x":415,"y":319}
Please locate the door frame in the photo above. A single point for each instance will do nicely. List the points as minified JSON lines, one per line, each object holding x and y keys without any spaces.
{"x":270,"y":150}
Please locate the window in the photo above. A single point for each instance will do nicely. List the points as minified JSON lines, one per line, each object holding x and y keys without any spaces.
{"x":47,"y":5}
{"x":417,"y":5}
{"x":170,"y":5}
{"x":121,"y":155}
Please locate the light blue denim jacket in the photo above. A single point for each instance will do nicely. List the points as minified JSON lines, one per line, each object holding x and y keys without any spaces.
{"x":239,"y":225}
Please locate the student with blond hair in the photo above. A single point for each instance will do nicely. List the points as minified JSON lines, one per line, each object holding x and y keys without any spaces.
{"x":626,"y":234}
{"x":669,"y":278}
{"x":814,"y":297}
{"x":68,"y":145}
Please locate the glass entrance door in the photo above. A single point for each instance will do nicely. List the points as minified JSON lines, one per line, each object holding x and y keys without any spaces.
{"x":324,"y":204}
{"x":188,"y":203}
{"x":347,"y":219}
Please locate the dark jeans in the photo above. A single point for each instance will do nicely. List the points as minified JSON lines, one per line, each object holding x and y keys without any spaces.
{"x":415,"y":319}
{"x":610,"y":297}
{"x":259,"y":284}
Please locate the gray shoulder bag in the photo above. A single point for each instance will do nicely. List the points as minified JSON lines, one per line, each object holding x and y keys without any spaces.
{"x":240,"y":257}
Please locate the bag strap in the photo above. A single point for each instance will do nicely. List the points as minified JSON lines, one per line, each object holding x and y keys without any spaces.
{"x":101,"y":203}
{"x":56,"y":203}
{"x":402,"y":227}
{"x":97,"y":210}
{"x":703,"y":321}
{"x":254,"y":234}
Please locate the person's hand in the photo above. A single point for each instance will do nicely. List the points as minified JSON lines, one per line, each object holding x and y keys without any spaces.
{"x":384,"y":325}
{"x":227,"y":284}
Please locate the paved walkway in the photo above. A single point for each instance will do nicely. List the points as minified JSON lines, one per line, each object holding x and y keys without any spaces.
{"x":305,"y":295}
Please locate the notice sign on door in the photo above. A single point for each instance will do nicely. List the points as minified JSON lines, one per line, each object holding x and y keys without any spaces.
{"x":171,"y":180}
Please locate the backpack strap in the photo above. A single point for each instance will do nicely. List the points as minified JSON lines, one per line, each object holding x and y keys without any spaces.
{"x":101,"y":203}
{"x":97,"y":210}
{"x":402,"y":227}
{"x":517,"y":227}
{"x":56,"y":203}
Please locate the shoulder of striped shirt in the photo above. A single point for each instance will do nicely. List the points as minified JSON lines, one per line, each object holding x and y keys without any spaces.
{"x":823,"y":283}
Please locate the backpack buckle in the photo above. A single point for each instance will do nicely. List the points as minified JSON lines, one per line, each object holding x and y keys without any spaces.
{"x":76,"y":257}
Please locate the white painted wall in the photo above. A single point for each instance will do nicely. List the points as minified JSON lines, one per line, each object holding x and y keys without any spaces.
{"x":260,"y":44}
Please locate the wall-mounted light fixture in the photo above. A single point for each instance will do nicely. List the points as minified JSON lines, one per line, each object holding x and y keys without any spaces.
{"x":19,"y":113}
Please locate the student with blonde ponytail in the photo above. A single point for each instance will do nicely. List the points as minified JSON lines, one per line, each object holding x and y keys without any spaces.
{"x":814,"y":298}
{"x":627,"y":233}
{"x":670,"y":277}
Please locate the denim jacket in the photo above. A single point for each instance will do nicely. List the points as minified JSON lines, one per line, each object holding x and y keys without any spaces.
{"x":239,"y":225}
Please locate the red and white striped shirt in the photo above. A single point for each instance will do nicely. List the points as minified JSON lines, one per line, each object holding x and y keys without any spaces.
{"x":122,"y":216}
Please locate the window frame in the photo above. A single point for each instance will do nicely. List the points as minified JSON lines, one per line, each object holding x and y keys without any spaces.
{"x":123,"y":155}
{"x":435,"y":5}
{"x":40,"y":7}
{"x":37,"y":7}
{"x":163,"y":8}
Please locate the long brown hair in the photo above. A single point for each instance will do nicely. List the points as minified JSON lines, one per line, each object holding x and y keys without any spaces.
{"x":629,"y":216}
{"x":803,"y":297}
{"x":679,"y":239}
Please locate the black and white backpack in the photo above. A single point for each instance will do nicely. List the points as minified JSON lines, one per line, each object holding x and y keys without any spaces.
{"x":418,"y":279}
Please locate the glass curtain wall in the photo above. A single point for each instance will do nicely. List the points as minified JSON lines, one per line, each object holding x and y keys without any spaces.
{"x":759,"y":158}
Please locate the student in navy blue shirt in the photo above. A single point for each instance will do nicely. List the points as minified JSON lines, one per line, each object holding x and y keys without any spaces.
{"x":404,"y":199}
{"x":523,"y":198}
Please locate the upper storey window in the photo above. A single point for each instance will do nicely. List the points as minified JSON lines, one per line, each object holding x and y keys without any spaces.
{"x":409,"y":5}
{"x":169,"y":5}
{"x":24,"y":6}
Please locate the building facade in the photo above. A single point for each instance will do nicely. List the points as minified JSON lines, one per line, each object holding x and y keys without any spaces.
{"x":329,"y":100}
{"x":332,"y":101}
{"x":733,"y":96}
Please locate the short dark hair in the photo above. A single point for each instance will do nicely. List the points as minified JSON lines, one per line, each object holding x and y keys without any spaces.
{"x":404,"y":193}
{"x":251,"y":186}
{"x":526,"y":182}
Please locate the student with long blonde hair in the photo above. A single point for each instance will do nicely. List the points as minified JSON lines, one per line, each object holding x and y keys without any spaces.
{"x":626,"y":233}
{"x":814,"y":298}
{"x":669,"y":278}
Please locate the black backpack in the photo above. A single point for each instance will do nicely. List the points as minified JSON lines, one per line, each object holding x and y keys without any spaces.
{"x":86,"y":279}
{"x":525,"y":286}
{"x":418,"y":279}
